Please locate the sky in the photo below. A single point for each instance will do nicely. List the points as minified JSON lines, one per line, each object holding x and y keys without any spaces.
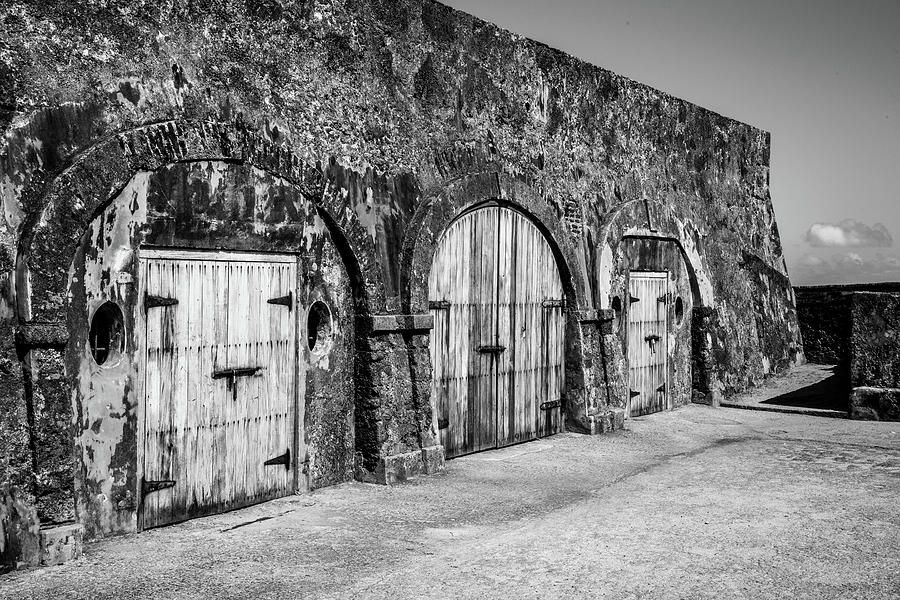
{"x":822,"y":76}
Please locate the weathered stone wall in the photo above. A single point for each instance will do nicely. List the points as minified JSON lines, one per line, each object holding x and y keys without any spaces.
{"x":875,"y":340}
{"x":824,"y":316}
{"x":389,"y":117}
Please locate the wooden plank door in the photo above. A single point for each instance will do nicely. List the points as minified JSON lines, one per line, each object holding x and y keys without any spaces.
{"x":497,"y":346}
{"x":220,"y":381}
{"x":531,"y":327}
{"x":647,"y":342}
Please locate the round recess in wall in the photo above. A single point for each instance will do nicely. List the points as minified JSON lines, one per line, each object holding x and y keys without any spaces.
{"x":107,"y":334}
{"x":319,"y":326}
{"x":679,"y":311}
{"x":617,"y":304}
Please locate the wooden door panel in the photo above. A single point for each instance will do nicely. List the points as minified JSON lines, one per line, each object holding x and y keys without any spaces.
{"x":209,"y":433}
{"x":647,"y":342}
{"x":491,"y":276}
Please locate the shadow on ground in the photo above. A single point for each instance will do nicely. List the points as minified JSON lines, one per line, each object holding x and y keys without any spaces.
{"x":831,"y":393}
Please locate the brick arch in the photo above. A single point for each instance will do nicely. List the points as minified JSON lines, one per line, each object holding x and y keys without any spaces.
{"x":73,"y":198}
{"x":621,"y":223}
{"x":466,"y":192}
{"x":460,"y":194}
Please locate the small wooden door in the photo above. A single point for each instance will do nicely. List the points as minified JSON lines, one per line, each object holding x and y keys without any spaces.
{"x":220,"y":380}
{"x":647,"y":342}
{"x":498,"y":343}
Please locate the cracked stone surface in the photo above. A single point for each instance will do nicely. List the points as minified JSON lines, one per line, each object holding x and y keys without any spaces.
{"x":695,"y":503}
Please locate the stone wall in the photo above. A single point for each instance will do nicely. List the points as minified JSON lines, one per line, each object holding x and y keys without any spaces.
{"x":857,"y":328}
{"x":388,"y":118}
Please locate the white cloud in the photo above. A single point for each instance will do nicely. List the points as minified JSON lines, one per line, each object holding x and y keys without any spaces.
{"x":849,"y":233}
{"x":847,"y":267}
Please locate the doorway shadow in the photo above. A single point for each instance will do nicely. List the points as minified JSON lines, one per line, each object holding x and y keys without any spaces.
{"x":831,"y":393}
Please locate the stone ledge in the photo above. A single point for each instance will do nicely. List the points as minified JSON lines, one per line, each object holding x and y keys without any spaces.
{"x":611,"y":420}
{"x":42,"y":335}
{"x":875,"y":404}
{"x":398,"y":468}
{"x":61,"y":544}
{"x":380,"y":324}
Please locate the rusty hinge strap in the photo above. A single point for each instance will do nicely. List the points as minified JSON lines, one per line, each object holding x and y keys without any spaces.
{"x":491,"y":349}
{"x":634,"y":299}
{"x":232,"y":373}
{"x":284,"y":301}
{"x":439,"y":304}
{"x":284,"y":459}
{"x":633,"y":394}
{"x":148,"y":487}
{"x":554,"y":303}
{"x":157,"y":301}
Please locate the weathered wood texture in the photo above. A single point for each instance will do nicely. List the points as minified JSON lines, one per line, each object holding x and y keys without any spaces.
{"x":647,"y":342}
{"x":497,"y":346}
{"x":208,"y":431}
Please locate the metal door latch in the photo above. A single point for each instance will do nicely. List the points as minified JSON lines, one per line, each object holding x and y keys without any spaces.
{"x":232,"y":373}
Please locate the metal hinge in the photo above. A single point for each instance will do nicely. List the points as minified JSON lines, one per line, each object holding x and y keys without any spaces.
{"x":554,"y":303}
{"x":633,"y":394}
{"x":661,"y":388}
{"x":550,"y":405}
{"x":284,"y":301}
{"x":664,"y":298}
{"x":284,"y":459}
{"x":634,"y":299}
{"x":491,"y":349}
{"x":148,"y":487}
{"x":157,"y":301}
{"x":439,"y":304}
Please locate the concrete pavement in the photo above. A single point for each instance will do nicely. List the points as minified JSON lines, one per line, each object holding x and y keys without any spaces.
{"x":695,"y":503}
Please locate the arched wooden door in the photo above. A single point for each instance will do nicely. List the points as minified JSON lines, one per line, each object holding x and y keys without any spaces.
{"x":497,"y":347}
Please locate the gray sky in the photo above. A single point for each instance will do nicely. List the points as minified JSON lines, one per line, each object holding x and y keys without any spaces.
{"x":823,"y":76}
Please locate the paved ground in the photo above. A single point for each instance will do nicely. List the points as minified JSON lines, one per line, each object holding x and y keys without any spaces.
{"x":696,"y":503}
{"x":806,"y":389}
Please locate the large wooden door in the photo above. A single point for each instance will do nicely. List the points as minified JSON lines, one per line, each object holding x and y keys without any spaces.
{"x":220,"y":380}
{"x":647,"y":342}
{"x":498,"y":343}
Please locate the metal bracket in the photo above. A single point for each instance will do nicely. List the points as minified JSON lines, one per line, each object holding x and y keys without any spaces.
{"x":148,"y":487}
{"x":284,"y":459}
{"x":550,"y":405}
{"x":664,"y":299}
{"x":491,"y":349}
{"x":633,"y":394}
{"x":284,"y":301}
{"x":661,"y":388}
{"x":554,"y":303}
{"x":443,"y":423}
{"x":157,"y":301}
{"x":439,"y":304}
{"x":232,"y":373}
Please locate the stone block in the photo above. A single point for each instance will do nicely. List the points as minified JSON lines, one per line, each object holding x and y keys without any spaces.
{"x":61,"y":544}
{"x":398,"y":468}
{"x":875,"y":404}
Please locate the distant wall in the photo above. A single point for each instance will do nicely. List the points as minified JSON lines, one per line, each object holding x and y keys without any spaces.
{"x":857,"y":327}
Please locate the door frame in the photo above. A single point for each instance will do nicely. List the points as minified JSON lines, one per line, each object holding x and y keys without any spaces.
{"x":298,"y":445}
